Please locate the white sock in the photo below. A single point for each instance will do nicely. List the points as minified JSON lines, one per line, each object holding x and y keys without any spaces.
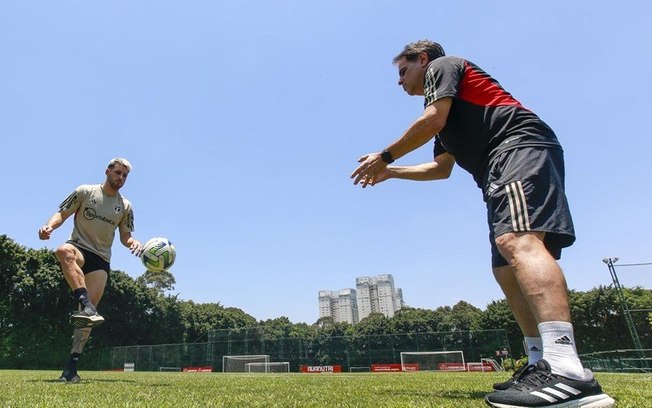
{"x":534,"y":349}
{"x":560,"y":352}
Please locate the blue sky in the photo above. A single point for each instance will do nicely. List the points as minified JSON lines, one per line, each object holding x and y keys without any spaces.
{"x":243,"y":121}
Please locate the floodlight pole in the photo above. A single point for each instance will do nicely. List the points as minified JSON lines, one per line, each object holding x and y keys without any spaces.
{"x":623,"y":303}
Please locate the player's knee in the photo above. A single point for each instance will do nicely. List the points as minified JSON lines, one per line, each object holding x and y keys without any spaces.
{"x":513,"y":246}
{"x":65,"y":253}
{"x":506,"y":245}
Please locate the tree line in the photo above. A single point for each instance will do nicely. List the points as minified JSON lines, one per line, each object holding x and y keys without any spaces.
{"x":35,"y":305}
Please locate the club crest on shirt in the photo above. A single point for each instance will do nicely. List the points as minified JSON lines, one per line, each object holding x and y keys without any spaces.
{"x":117,"y":208}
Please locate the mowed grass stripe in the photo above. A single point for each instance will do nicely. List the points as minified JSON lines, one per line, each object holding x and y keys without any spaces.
{"x":26,"y":388}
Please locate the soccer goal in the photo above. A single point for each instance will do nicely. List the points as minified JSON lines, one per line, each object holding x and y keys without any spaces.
{"x":359,"y":369}
{"x":237,"y":364}
{"x":271,"y":367}
{"x":485,"y":365}
{"x":493,"y":363}
{"x":432,"y":361}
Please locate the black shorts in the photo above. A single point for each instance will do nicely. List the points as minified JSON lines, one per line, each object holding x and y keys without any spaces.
{"x":93,"y":262}
{"x":524,"y":191}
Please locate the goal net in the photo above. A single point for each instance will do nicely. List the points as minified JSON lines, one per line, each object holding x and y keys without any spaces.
{"x":237,"y":364}
{"x":493,"y":363}
{"x":432,"y":361}
{"x":360,"y":369}
{"x":271,"y":367}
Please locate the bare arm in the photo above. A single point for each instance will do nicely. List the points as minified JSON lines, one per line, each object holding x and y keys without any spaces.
{"x":421,"y":131}
{"x":438,"y":169}
{"x":53,"y":223}
{"x":130,"y":242}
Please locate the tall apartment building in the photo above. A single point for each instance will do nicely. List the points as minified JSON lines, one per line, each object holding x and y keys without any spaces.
{"x":377,"y":294}
{"x":373,"y":294}
{"x":400,"y":303}
{"x":342,"y":305}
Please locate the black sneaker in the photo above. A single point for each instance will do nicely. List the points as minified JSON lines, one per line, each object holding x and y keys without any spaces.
{"x":542,"y":388}
{"x":516,"y":378}
{"x":88,"y":317}
{"x":69,"y":376}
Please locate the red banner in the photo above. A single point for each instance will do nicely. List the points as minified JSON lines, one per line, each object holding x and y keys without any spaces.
{"x":484,"y":366}
{"x":386,"y":368}
{"x":203,"y":369}
{"x":318,"y":369}
{"x":452,"y":367}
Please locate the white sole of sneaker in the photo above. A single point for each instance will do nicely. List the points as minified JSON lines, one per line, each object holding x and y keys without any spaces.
{"x":81,"y":322}
{"x":593,"y":401}
{"x":73,"y":380}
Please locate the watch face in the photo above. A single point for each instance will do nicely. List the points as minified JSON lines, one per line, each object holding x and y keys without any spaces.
{"x":387,"y":156}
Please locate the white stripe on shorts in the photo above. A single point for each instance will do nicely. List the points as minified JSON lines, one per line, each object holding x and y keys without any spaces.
{"x":518,"y":206}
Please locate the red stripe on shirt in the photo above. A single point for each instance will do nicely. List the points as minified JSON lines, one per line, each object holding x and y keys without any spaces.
{"x":478,"y":88}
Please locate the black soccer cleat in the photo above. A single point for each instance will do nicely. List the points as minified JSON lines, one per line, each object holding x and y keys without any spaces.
{"x":542,"y":388}
{"x":516,"y":378}
{"x":69,"y":376}
{"x":88,"y":317}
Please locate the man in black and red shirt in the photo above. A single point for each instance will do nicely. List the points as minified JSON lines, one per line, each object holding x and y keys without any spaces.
{"x":517,"y":161}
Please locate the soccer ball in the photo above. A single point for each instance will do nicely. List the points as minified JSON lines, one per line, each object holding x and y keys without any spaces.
{"x":158,"y":254}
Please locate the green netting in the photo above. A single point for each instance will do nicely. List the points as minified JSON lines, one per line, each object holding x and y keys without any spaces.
{"x":348,"y":351}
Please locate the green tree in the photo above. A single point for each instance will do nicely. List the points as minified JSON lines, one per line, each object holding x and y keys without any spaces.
{"x":34,"y":305}
{"x":411,"y":320}
{"x":498,"y":315}
{"x":205,"y":317}
{"x":329,"y":344}
{"x":161,"y":281}
{"x":464,"y":316}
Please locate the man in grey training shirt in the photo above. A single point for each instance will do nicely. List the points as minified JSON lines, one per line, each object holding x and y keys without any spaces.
{"x":98,"y":210}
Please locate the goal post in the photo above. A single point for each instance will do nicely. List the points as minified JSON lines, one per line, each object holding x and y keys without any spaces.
{"x":237,"y":364}
{"x":493,"y":363}
{"x":433,"y":360}
{"x":270,"y":367}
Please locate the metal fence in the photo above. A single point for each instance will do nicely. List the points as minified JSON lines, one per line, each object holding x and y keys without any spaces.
{"x":638,"y":317}
{"x":630,"y":361}
{"x":348,"y":351}
{"x":362,"y":351}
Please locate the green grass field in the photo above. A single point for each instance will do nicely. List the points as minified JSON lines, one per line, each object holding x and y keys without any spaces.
{"x":154,"y":389}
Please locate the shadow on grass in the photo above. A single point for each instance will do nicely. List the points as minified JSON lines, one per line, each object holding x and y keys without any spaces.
{"x":90,"y":381}
{"x":453,"y":395}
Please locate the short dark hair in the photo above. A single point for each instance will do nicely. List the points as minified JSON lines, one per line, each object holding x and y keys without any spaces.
{"x":119,"y":160}
{"x":412,"y":51}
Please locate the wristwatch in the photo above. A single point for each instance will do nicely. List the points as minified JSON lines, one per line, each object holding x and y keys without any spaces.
{"x":387,"y":157}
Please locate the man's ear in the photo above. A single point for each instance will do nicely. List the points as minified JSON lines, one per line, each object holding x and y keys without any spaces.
{"x":423,"y":58}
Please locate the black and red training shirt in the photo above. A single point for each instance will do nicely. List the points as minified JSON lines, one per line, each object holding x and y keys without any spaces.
{"x":484,"y":119}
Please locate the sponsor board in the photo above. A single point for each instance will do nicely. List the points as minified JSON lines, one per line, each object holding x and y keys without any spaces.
{"x":452,"y":367}
{"x":480,"y":367}
{"x":319,"y":369}
{"x":388,"y":368}
{"x":202,"y":369}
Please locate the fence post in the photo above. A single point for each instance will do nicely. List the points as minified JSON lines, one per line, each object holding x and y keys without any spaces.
{"x":623,"y":304}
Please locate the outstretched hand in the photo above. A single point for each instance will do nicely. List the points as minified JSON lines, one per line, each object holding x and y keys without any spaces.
{"x":370,"y":168}
{"x":44,"y":232}
{"x":382,"y":176}
{"x":136,"y":247}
